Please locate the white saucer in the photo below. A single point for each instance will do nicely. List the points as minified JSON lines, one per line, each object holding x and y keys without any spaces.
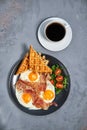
{"x":54,"y":46}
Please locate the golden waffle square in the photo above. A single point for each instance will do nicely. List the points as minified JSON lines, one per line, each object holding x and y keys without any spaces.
{"x":38,"y":63}
{"x":24,"y":64}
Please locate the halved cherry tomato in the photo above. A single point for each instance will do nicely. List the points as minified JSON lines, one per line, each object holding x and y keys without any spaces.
{"x":59,"y":78}
{"x":52,"y":81}
{"x":57,"y":71}
{"x":59,"y":85}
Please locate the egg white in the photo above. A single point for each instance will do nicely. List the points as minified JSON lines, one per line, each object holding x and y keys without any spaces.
{"x":49,"y":87}
{"x":24,"y":76}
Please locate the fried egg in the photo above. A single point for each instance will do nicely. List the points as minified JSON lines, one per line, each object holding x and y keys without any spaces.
{"x":49,"y":94}
{"x":30,"y":76}
{"x":25,"y":99}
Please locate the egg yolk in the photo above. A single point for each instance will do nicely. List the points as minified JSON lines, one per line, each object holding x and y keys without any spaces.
{"x":32,"y":76}
{"x":48,"y":95}
{"x":26,"y":97}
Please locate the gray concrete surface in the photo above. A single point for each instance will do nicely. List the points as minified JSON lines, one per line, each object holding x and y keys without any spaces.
{"x":19,"y":20}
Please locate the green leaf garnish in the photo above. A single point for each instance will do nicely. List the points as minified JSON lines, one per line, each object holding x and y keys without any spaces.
{"x":65,"y":82}
{"x":54,"y":67}
{"x":53,"y":77}
{"x":58,"y":90}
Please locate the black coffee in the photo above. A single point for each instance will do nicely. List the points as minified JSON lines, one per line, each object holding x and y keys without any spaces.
{"x":55,"y":32}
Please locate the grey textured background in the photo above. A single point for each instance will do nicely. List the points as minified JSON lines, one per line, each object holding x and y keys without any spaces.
{"x":19,"y":20}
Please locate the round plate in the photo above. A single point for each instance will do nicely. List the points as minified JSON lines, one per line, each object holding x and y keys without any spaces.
{"x":48,"y":44}
{"x":60,"y":98}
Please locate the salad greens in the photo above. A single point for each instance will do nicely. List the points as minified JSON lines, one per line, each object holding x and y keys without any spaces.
{"x":58,"y":79}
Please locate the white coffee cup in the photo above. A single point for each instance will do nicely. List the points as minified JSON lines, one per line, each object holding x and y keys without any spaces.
{"x":55,"y":31}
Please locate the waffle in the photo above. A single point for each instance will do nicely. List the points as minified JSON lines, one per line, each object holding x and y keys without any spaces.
{"x":24,"y":64}
{"x":38,"y":63}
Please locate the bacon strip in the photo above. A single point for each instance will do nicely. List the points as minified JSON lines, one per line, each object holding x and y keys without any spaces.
{"x":23,"y":85}
{"x":39,"y":102}
{"x":34,"y":89}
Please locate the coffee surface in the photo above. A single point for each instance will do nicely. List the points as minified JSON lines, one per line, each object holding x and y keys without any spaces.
{"x":55,"y":32}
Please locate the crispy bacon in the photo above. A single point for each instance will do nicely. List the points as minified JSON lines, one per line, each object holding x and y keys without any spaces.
{"x":37,"y":86}
{"x":39,"y":102}
{"x":41,"y":87}
{"x":42,"y":78}
{"x":23,"y":85}
{"x":34,"y":89}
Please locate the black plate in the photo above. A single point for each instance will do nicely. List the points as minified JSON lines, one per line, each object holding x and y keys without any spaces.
{"x":60,"y":98}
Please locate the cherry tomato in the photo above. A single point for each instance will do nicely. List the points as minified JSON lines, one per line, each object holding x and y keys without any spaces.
{"x":57,"y":71}
{"x":59,"y":85}
{"x":52,"y":81}
{"x":59,"y":78}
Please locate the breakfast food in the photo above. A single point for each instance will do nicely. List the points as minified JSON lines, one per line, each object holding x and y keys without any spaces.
{"x":30,"y":76}
{"x":33,"y":88}
{"x":24,"y":65}
{"x":35,"y":95}
{"x":49,"y":94}
{"x":58,"y":79}
{"x":36,"y":62}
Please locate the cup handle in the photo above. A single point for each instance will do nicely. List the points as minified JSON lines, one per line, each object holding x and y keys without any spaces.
{"x":65,"y":25}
